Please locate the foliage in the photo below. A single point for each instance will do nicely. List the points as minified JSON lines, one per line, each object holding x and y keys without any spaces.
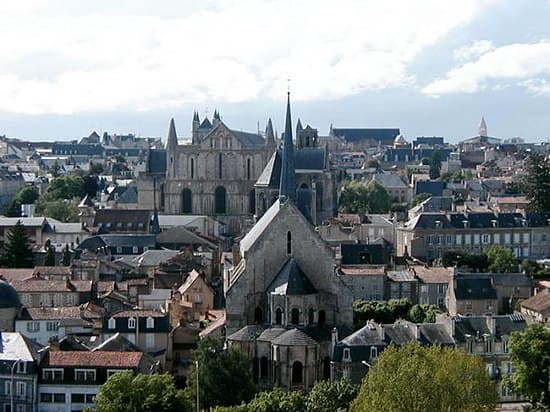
{"x":537,"y":182}
{"x":460,"y":258}
{"x":65,"y":187}
{"x":534,"y":269}
{"x":380,"y":311}
{"x":278,"y":400}
{"x":530,"y":354}
{"x":457,"y":176}
{"x":423,"y":313}
{"x":331,"y":396}
{"x":415,"y":378}
{"x":373,"y":163}
{"x":96,"y":168}
{"x":61,"y":210}
{"x":90,"y":185}
{"x":501,"y":260}
{"x":17,"y":251}
{"x":55,"y":169}
{"x":419,"y":198}
{"x":127,"y":392}
{"x":358,"y":197}
{"x":410,"y":170}
{"x":224,"y":376}
{"x":49,"y":259}
{"x":435,"y":165}
{"x":24,"y":195}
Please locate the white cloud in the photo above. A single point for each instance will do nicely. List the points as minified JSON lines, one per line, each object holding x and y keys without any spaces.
{"x":66,"y":56}
{"x":511,"y":62}
{"x":472,"y":51}
{"x":539,"y":87}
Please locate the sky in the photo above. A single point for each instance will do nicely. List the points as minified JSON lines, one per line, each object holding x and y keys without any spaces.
{"x":429,"y":67}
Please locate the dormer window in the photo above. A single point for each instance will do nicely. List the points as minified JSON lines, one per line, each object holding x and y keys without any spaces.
{"x":131,"y":323}
{"x":438,"y":224}
{"x":112,"y":323}
{"x":466,"y":224}
{"x":150,"y":322}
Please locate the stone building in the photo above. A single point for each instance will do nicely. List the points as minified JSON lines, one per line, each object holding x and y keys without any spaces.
{"x":284,"y":297}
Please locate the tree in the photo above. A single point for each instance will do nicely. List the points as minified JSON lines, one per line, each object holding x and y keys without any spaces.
{"x":17,"y":251}
{"x":55,"y":168}
{"x":67,"y":257}
{"x":90,"y":185}
{"x":49,"y":259}
{"x":415,"y":378}
{"x":501,"y":260}
{"x":423,"y":313}
{"x":128,"y":392}
{"x":537,"y":182}
{"x":380,"y":311}
{"x":331,"y":396}
{"x":475,"y":262}
{"x":65,"y":187}
{"x":419,"y":198}
{"x":96,"y":168}
{"x":24,"y":195}
{"x":276,"y":400}
{"x":358,"y":197}
{"x":62,"y":210}
{"x":224,"y":376}
{"x":435,"y":165}
{"x":530,"y":354}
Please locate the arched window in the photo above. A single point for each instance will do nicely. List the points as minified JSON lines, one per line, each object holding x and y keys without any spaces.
{"x":278,"y":316}
{"x":310,"y":316}
{"x":220,"y":200}
{"x":192,"y":171}
{"x":252,"y":202}
{"x":186,"y":201}
{"x":297,"y":373}
{"x":322,"y":317}
{"x":248,"y":169}
{"x":263,"y":367}
{"x":326,"y":368}
{"x":295,"y":316}
{"x":258,"y":315}
{"x":220,"y":166}
{"x":288,"y":243}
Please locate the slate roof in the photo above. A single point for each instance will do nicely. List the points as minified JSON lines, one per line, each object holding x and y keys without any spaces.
{"x":291,"y":280}
{"x":433,"y":188}
{"x":140,"y":314}
{"x":389,"y":180}
{"x":182,"y":236}
{"x":474,"y":288}
{"x":435,"y":334}
{"x":99,"y":241}
{"x":94,"y":359}
{"x":399,"y":333}
{"x":271,"y":175}
{"x":433,"y":274}
{"x":156,"y":162}
{"x":310,"y":159}
{"x":270,"y":334}
{"x":359,"y":253}
{"x":130,"y":195}
{"x":247,"y":333}
{"x":257,"y":230}
{"x":294,"y":337}
{"x":476,"y":326}
{"x":248,"y":139}
{"x":122,"y":219}
{"x":14,"y":346}
{"x":436,"y":204}
{"x":117,"y":343}
{"x":8,"y":296}
{"x":401,"y":275}
{"x":385,"y":136}
{"x":476,"y":220}
{"x":46,"y":312}
{"x":367,"y":335}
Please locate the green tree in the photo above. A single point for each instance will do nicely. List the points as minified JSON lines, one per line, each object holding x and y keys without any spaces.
{"x":331,"y":396}
{"x":129,"y":392}
{"x":358,"y":197}
{"x":501,"y":260}
{"x":419,"y":198}
{"x":276,"y":400}
{"x":49,"y":259}
{"x":415,"y":378}
{"x":96,"y":168}
{"x":24,"y":195}
{"x":435,"y":165}
{"x":224,"y":376}
{"x":55,"y":168}
{"x":380,"y":311}
{"x":473,"y":261}
{"x":17,"y":251}
{"x":423,"y":313}
{"x":90,"y":185}
{"x":530,"y":354}
{"x":65,"y":187}
{"x":537,"y":182}
{"x":62,"y":210}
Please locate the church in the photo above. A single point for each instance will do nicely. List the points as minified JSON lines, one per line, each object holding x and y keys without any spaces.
{"x":285,"y":300}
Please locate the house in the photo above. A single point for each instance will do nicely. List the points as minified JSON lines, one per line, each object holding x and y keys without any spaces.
{"x":36,"y":292}
{"x":433,"y":283}
{"x":396,"y":187}
{"x":472,"y":295}
{"x":537,"y":308}
{"x":195,"y":297}
{"x":119,"y":244}
{"x":401,"y":284}
{"x":19,"y":360}
{"x":365,"y":281}
{"x":357,"y":227}
{"x":34,"y":226}
{"x":69,"y":380}
{"x":120,"y":221}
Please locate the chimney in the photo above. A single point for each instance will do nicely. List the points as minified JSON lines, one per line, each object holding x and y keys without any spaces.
{"x":417,"y":332}
{"x":381,"y":332}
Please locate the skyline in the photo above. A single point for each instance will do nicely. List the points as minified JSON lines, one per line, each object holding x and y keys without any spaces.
{"x":429,"y":68}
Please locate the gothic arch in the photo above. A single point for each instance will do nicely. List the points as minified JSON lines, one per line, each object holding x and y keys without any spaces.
{"x":186,"y":201}
{"x":220,"y":200}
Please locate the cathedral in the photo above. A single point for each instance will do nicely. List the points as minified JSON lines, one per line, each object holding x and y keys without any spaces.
{"x":285,"y":301}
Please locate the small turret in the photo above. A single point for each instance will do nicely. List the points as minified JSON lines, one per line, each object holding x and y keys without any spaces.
{"x":195,"y":128}
{"x":216,"y":118}
{"x":482,"y":129}
{"x":172,"y":140}
{"x":269,"y":135}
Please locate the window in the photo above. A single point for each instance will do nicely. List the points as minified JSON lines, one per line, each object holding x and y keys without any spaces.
{"x":52,"y":374}
{"x":149,"y":340}
{"x":135,"y":249}
{"x":458,"y":239}
{"x":119,"y":249}
{"x":486,"y":239}
{"x":373,"y":352}
{"x":476,"y":238}
{"x":20,"y":408}
{"x":52,"y":326}
{"x":21,"y":388}
{"x":507,"y":237}
{"x":33,"y":327}
{"x":131,"y":323}
{"x":150,"y":322}
{"x":58,"y":398}
{"x":505,"y":345}
{"x":441,"y":288}
{"x":297,"y":373}
{"x":220,"y":166}
{"x":84,"y":375}
{"x":220,"y":200}
{"x":7,"y":387}
{"x":470,"y":346}
{"x":278,"y":316}
{"x":347,"y":356}
{"x":186,"y":201}
{"x":112,"y":323}
{"x":295,"y":316}
{"x":192,"y":168}
{"x":488,"y":345}
{"x":258,"y":315}
{"x":322,"y":317}
{"x":517,"y":237}
{"x":248,"y":169}
{"x":468,"y":305}
{"x":441,"y":302}
{"x":496,"y":238}
{"x":310,"y":316}
{"x":78,"y":398}
{"x":288,"y":243}
{"x":449,"y":239}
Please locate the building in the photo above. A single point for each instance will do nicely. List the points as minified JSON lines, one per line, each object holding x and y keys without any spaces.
{"x":537,"y":308}
{"x":10,"y":306}
{"x":36,"y":292}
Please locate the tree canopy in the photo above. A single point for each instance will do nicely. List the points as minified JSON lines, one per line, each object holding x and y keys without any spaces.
{"x":419,"y":198}
{"x":501,"y":260}
{"x":415,"y":378}
{"x":530,"y":354}
{"x":330,"y":396}
{"x":17,"y":250}
{"x":435,"y":165}
{"x":224,"y":376}
{"x":358,"y":197}
{"x":537,"y":182}
{"x":24,"y":195}
{"x":129,"y":392}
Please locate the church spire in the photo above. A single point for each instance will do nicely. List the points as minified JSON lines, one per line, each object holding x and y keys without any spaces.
{"x":269,"y":135}
{"x":287,"y":188}
{"x":172,"y":140}
{"x":482,"y":130}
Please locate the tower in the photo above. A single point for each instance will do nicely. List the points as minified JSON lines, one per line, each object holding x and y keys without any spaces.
{"x":195,"y":128}
{"x":287,"y":187}
{"x":482,"y":129}
{"x":269,"y":135}
{"x":171,"y":147}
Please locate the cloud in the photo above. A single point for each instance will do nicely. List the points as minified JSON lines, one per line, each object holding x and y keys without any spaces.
{"x":510,"y":62}
{"x":472,"y":51}
{"x":538,"y":87}
{"x":68,"y":56}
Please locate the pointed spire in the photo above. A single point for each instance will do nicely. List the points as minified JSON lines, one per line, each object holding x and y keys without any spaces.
{"x":172,"y":140}
{"x":196,"y":116}
{"x":287,"y":188}
{"x":482,"y":129}
{"x":299,"y":125}
{"x":269,"y":135}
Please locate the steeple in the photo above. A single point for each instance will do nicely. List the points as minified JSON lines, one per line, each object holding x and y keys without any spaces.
{"x":269,"y":135}
{"x":195,"y":128}
{"x":482,"y":129}
{"x":287,"y":188}
{"x":172,"y":140}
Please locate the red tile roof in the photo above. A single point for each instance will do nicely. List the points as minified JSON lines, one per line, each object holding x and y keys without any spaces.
{"x":95,"y":359}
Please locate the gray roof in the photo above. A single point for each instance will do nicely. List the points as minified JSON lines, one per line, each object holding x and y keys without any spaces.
{"x":474,"y":288}
{"x":270,"y":334}
{"x":291,"y":280}
{"x":390,"y":180}
{"x":401,"y":275}
{"x":130,"y":195}
{"x":294,"y":337}
{"x":476,"y":326}
{"x":385,"y":136}
{"x":310,"y":158}
{"x":8,"y":296}
{"x":271,"y":175}
{"x":435,"y":334}
{"x":248,"y":139}
{"x":400,"y":333}
{"x":247,"y":333}
{"x":149,"y":258}
{"x":182,"y":236}
{"x":257,"y":230}
{"x":14,"y":346}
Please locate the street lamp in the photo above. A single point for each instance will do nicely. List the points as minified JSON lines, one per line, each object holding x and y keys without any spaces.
{"x":197,"y":369}
{"x":364,"y":362}
{"x":11,"y":381}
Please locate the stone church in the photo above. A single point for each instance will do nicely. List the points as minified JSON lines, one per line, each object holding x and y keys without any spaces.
{"x":213,"y":176}
{"x":285,"y":301}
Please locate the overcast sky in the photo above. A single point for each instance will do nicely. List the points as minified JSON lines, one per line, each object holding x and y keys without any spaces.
{"x":431,"y":67}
